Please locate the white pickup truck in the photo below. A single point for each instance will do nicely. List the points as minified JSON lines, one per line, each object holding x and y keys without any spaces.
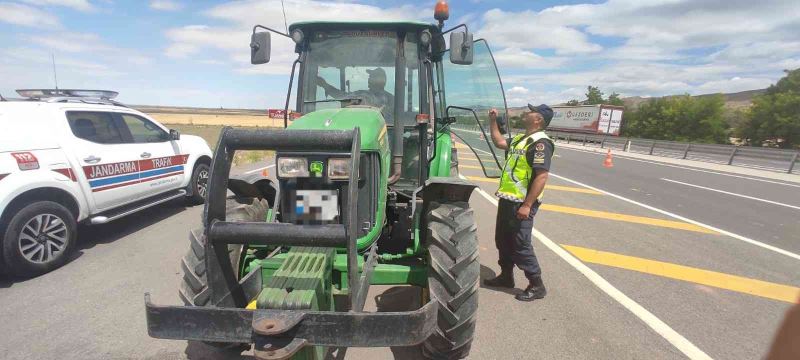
{"x":69,"y":157}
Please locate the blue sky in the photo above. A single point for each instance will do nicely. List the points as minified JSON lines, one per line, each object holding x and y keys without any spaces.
{"x":195,"y":53}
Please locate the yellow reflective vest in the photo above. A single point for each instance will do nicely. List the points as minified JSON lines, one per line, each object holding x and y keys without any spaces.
{"x":517,"y":172}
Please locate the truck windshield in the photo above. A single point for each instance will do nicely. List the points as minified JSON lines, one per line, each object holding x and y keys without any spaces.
{"x":360,"y":64}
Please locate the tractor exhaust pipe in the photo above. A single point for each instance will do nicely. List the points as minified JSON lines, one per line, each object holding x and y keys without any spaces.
{"x":399,"y":86}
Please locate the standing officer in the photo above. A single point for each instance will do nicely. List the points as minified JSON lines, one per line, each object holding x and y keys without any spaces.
{"x":521,"y":186}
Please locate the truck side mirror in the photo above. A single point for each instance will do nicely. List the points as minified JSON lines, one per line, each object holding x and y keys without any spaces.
{"x":461,"y":50}
{"x":174,"y":134}
{"x":259,"y":48}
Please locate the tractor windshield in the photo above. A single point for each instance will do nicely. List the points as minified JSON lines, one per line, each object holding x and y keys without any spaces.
{"x":475,"y":89}
{"x":360,"y":64}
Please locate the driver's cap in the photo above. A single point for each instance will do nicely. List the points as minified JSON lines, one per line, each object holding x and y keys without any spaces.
{"x":379,"y":72}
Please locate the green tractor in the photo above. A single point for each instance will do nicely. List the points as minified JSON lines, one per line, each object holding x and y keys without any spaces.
{"x":367,"y":193}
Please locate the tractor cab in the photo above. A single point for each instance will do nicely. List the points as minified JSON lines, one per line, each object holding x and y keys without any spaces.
{"x":400,"y":69}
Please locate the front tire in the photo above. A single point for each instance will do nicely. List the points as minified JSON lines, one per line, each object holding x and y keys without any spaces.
{"x":198,"y":185}
{"x":38,"y":239}
{"x":194,"y":290}
{"x":453,"y":273}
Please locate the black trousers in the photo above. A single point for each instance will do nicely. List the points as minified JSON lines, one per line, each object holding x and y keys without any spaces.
{"x":513,"y":239}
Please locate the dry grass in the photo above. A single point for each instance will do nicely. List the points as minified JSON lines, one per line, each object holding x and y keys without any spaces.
{"x":215,"y":119}
{"x":210,"y":133}
{"x":207,"y":124}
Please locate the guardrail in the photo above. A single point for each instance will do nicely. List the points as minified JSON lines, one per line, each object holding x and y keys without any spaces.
{"x":744,"y":156}
{"x":779,"y":160}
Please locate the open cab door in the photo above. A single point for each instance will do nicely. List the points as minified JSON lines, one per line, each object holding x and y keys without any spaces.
{"x":473,"y":90}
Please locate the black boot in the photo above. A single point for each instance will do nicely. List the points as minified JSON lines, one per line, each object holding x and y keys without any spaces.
{"x":505,"y":279}
{"x":535,"y":290}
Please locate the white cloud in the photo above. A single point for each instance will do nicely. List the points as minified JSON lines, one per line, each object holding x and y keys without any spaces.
{"x":69,"y":42}
{"x":39,"y":58}
{"x":233,"y":38}
{"x":666,"y":46}
{"x":165,"y":5}
{"x":512,"y":57}
{"x":531,"y":30}
{"x":81,"y":5}
{"x":19,"y":14}
{"x":87,"y":44}
{"x":517,"y":96}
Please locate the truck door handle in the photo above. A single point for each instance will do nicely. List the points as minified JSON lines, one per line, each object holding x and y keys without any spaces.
{"x":145,"y":155}
{"x":91,"y":159}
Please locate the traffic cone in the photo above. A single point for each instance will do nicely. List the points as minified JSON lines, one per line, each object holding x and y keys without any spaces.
{"x":608,"y":163}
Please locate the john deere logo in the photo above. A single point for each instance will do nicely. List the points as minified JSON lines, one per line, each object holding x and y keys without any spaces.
{"x":315,"y":168}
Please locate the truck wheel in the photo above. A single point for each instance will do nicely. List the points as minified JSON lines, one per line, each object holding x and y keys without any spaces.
{"x":194,"y":289}
{"x":453,"y":272}
{"x":199,"y":183}
{"x":38,"y":239}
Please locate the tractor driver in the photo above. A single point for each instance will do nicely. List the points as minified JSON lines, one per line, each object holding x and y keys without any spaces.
{"x":376,"y":96}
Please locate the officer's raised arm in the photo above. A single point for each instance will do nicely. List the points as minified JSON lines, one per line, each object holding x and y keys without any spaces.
{"x":497,"y":137}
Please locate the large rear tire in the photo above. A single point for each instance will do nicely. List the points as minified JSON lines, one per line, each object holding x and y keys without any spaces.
{"x":453,"y":273}
{"x":194,"y":289}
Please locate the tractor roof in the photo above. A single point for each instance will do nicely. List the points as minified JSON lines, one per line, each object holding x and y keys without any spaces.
{"x":378,"y":25}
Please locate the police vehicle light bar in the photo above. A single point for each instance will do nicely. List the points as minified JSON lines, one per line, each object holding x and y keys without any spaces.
{"x":46,"y":93}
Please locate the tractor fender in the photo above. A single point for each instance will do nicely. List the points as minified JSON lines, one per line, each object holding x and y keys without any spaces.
{"x":447,"y":189}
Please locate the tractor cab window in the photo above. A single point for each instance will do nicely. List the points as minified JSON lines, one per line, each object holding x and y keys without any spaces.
{"x":476,"y":87}
{"x":342,"y":65}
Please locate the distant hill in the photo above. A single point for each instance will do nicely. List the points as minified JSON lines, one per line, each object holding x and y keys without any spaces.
{"x":733,"y":101}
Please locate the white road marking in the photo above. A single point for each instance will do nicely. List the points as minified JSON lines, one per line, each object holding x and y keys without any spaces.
{"x":686,"y":167}
{"x":483,"y":151}
{"x":676,"y":216}
{"x":673,"y":337}
{"x":733,"y":194}
{"x":259,"y":169}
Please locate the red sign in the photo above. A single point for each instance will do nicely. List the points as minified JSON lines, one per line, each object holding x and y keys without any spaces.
{"x":26,"y":160}
{"x":276,"y":113}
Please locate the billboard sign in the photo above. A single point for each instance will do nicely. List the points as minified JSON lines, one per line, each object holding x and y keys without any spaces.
{"x":581,"y":118}
{"x":605,"y":120}
{"x":616,"y":121}
{"x":593,"y":119}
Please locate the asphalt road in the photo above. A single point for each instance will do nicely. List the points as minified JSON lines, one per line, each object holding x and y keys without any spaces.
{"x":624,"y":281}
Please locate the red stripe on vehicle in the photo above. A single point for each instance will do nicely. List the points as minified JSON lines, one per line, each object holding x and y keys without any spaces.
{"x":116,"y":185}
{"x":162,"y":162}
{"x":67,"y":172}
{"x":136,"y":181}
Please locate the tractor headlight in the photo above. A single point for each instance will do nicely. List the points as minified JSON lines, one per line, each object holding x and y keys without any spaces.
{"x":290,"y":167}
{"x":338,"y":168}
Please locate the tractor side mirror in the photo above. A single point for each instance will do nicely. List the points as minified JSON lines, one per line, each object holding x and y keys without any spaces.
{"x":461,"y":50}
{"x":259,"y":48}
